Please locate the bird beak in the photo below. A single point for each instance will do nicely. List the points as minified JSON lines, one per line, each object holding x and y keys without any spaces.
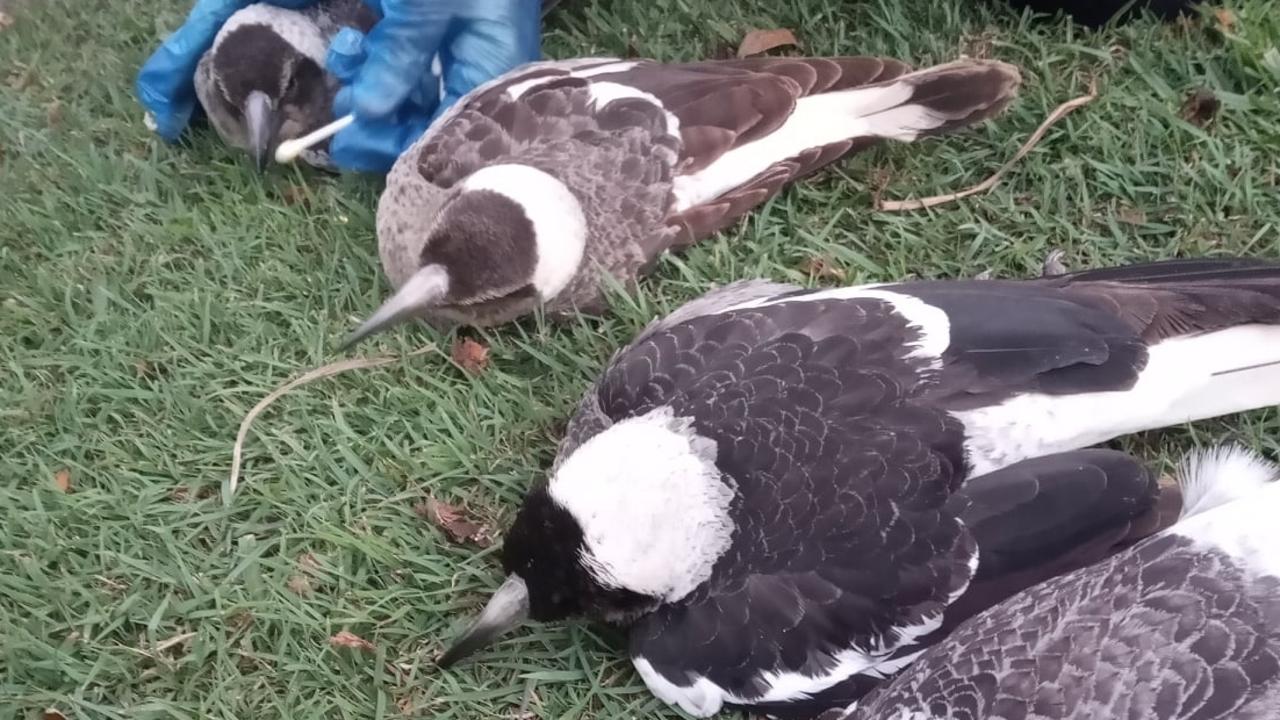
{"x":260,"y":124}
{"x":507,"y":610}
{"x":426,"y":288}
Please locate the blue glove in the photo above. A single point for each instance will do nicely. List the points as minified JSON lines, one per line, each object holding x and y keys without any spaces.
{"x":166,"y":83}
{"x":390,"y":85}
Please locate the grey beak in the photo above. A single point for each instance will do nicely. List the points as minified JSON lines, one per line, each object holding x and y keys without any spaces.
{"x":507,"y":610}
{"x":260,"y":124}
{"x":427,"y":287}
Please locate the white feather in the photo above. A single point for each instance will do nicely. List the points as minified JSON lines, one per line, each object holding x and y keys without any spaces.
{"x":817,"y":120}
{"x":559,"y":225}
{"x":1216,"y":476}
{"x":1236,"y":500}
{"x":1186,"y":378}
{"x":652,"y":505}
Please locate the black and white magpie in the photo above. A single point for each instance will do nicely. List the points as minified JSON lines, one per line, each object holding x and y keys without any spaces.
{"x":536,"y":186}
{"x":264,"y":80}
{"x":780,"y":490}
{"x":1183,"y":625}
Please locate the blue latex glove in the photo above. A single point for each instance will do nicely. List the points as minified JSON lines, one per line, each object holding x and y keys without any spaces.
{"x":390,"y":86}
{"x":166,"y":82}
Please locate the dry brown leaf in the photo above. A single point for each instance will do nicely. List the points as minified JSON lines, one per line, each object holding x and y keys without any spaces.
{"x":308,"y":562}
{"x":348,"y":639}
{"x":470,"y":355}
{"x":296,"y":195}
{"x":6,"y":20}
{"x":1200,"y":107}
{"x":62,"y":480}
{"x":50,"y":713}
{"x":1131,"y":215}
{"x":299,"y":584}
{"x":53,"y":113}
{"x":762,"y":41}
{"x":455,"y":522}
{"x":823,"y":267}
{"x":1226,"y":20}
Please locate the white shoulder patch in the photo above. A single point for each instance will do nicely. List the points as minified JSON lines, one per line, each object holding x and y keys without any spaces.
{"x":300,"y":32}
{"x":931,"y":322}
{"x":1216,"y":476}
{"x":559,"y":224}
{"x":652,"y":504}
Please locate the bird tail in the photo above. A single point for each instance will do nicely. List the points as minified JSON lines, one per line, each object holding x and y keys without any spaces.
{"x":1213,"y":329}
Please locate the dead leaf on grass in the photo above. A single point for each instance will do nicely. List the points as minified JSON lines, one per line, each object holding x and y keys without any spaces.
{"x":348,"y":639}
{"x":51,"y":713}
{"x":823,"y":267}
{"x":762,"y":41}
{"x":455,"y":522}
{"x":6,"y":20}
{"x":62,"y":480}
{"x":299,"y":584}
{"x":1131,"y":215}
{"x":53,"y":114}
{"x":1200,"y":107}
{"x":471,"y":356}
{"x":295,"y":195}
{"x":1226,"y":20}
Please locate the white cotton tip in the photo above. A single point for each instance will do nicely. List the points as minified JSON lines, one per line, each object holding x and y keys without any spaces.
{"x":1216,"y":476}
{"x":289,"y":150}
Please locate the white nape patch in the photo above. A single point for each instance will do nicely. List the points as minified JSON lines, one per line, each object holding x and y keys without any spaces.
{"x":817,"y":120}
{"x":1216,"y":476}
{"x":1187,"y":378}
{"x":931,"y":322}
{"x":652,"y":504}
{"x":300,"y":32}
{"x":559,"y":225}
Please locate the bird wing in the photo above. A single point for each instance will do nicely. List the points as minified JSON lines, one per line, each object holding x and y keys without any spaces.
{"x":1165,"y":630}
{"x":843,"y":548}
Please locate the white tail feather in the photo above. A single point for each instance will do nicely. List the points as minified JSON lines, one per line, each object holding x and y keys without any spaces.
{"x":1216,"y":476}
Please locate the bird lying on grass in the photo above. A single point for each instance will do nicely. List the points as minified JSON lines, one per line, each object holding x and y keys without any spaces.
{"x":1183,"y":625}
{"x":264,"y":80}
{"x":535,"y":187}
{"x":787,"y":494}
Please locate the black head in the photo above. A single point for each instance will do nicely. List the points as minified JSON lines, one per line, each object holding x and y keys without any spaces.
{"x":545,"y":547}
{"x":269,"y":88}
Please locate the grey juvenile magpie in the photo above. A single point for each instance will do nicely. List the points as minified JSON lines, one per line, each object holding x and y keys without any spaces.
{"x":1183,"y":625}
{"x":264,"y":80}
{"x":784,"y":492}
{"x":537,"y":185}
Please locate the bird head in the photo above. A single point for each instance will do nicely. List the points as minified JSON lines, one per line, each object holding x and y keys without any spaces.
{"x":635,"y":518}
{"x":263,"y":82}
{"x":487,"y":250}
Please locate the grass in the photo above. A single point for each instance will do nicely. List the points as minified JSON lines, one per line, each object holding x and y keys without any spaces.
{"x":150,"y":295}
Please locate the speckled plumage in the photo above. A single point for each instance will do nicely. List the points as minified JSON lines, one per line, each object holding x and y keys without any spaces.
{"x":1182,"y":626}
{"x":633,"y":142}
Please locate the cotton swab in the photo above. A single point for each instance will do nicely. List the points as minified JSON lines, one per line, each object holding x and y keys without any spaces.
{"x":289,"y":150}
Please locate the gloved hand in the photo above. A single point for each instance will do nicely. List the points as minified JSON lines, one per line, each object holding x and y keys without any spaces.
{"x":166,"y":82}
{"x":390,"y":84}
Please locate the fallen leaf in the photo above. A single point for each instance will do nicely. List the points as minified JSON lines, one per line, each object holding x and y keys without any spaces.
{"x":351,"y":640}
{"x":53,"y":113}
{"x":762,"y":41}
{"x":62,"y":480}
{"x":49,"y":713}
{"x":1131,"y":215}
{"x":296,"y":195}
{"x":299,"y":585}
{"x":240,"y":620}
{"x":455,"y":522}
{"x":470,"y":355}
{"x":1200,"y":107}
{"x":308,"y":562}
{"x":6,"y":20}
{"x":822,"y":267}
{"x":1226,"y":20}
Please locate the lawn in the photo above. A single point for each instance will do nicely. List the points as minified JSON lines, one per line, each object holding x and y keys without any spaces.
{"x":150,"y":295}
